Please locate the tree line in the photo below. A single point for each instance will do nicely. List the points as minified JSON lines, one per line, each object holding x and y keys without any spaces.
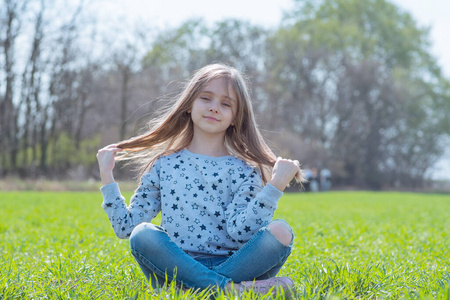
{"x":345,"y":84}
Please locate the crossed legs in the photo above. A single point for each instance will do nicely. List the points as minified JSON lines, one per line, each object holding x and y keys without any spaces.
{"x":260,"y":258}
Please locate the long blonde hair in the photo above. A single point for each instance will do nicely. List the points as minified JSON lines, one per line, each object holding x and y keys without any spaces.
{"x":173,"y":131}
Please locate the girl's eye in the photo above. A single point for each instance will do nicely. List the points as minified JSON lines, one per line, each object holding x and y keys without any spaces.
{"x":205,"y":98}
{"x":226,"y":104}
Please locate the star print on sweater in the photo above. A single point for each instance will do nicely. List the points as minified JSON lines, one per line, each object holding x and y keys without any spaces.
{"x":208,"y":205}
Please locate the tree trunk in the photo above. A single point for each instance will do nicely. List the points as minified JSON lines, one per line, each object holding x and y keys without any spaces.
{"x":124,"y":99}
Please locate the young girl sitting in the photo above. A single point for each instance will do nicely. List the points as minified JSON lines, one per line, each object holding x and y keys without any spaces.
{"x":206,"y":168}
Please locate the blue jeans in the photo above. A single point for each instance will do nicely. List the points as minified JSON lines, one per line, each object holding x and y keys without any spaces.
{"x":260,"y":258}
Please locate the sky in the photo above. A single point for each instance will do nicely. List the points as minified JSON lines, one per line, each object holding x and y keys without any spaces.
{"x":268,"y":13}
{"x":172,"y":12}
{"x":427,"y":13}
{"x":433,"y":14}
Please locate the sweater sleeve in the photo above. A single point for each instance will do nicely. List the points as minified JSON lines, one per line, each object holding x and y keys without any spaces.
{"x":144,"y":205}
{"x":252,"y":207}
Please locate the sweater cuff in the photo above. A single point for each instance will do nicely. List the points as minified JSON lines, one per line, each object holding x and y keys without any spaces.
{"x":272,"y":195}
{"x":110,"y":191}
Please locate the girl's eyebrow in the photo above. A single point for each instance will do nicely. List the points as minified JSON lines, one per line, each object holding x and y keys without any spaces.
{"x":224,"y":96}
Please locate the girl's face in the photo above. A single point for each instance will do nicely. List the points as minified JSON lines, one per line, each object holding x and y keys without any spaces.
{"x":214,"y":108}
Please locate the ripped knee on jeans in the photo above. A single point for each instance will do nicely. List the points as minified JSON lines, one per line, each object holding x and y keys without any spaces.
{"x":281,"y":231}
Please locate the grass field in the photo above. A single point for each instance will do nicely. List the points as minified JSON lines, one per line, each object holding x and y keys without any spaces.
{"x":348,"y":245}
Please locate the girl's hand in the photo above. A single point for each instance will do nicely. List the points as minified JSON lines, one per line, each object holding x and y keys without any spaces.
{"x":105,"y":158}
{"x":283,"y":172}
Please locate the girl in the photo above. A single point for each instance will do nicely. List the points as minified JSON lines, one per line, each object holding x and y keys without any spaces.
{"x":206,"y":168}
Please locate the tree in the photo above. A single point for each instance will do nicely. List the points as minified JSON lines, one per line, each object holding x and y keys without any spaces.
{"x":11,"y":21}
{"x":48,"y":82}
{"x":357,"y":78}
{"x":30,"y":95}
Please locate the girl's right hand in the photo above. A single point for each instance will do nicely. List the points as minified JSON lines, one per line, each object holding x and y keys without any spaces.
{"x":106,"y":162}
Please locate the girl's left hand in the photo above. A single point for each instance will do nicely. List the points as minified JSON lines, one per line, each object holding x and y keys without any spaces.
{"x":283,"y":172}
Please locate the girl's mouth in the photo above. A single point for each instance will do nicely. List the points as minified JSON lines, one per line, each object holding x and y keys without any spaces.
{"x":211,"y":118}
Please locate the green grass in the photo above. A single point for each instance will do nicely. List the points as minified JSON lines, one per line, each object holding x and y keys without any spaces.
{"x":348,"y":245}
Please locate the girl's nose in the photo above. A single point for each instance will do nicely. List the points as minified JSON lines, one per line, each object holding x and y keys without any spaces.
{"x":213,"y":110}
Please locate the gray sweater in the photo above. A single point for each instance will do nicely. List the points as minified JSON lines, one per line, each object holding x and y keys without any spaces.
{"x":209,"y":205}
